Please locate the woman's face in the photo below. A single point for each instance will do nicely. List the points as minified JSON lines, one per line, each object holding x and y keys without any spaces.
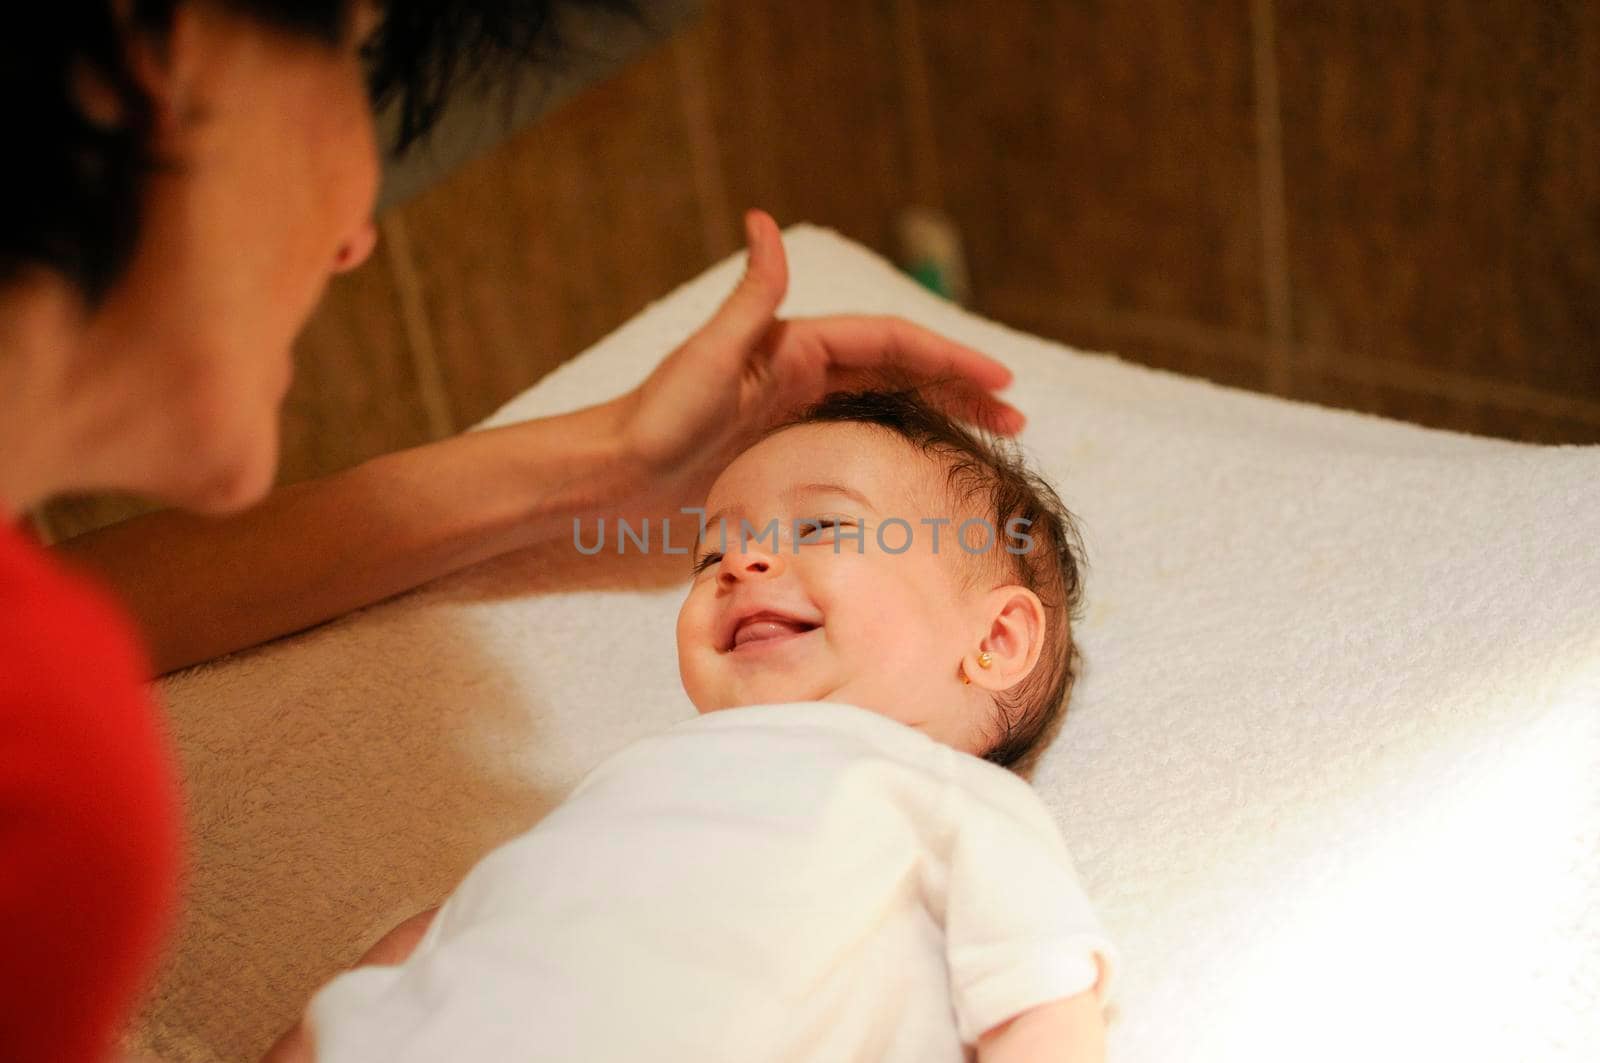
{"x":272,"y":190}
{"x":877,"y":622}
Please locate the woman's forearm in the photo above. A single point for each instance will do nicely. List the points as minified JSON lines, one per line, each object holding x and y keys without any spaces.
{"x":202,"y":587}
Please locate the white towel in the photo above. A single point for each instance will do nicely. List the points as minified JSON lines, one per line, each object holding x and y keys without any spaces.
{"x":1330,"y":776}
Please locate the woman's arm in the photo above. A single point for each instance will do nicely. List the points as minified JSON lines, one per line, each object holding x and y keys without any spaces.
{"x":1063,"y":1031}
{"x":202,"y":587}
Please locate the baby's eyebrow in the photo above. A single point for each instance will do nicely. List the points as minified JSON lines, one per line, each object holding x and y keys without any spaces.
{"x":799,"y":490}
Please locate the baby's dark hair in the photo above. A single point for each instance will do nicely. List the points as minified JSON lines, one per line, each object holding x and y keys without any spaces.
{"x":987,"y":473}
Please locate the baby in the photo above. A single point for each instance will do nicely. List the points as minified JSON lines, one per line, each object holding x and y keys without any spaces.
{"x":832,"y":861}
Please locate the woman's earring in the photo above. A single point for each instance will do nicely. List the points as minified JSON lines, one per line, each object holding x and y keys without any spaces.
{"x":985,"y":659}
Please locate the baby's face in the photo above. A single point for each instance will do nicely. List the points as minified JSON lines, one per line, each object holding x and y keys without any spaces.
{"x":881,"y":630}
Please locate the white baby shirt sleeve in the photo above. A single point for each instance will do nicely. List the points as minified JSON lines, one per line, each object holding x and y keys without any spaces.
{"x":1019,"y":929}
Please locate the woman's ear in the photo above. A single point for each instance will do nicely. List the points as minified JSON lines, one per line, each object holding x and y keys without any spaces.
{"x":1012,"y":637}
{"x":166,"y":67}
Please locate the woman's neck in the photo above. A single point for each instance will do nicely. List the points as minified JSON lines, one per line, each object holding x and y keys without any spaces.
{"x":53,"y":407}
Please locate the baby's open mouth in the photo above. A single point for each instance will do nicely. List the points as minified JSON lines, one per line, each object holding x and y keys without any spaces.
{"x":768,"y":628}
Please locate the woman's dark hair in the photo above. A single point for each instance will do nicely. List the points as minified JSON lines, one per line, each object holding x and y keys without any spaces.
{"x":70,"y":197}
{"x":986,"y":475}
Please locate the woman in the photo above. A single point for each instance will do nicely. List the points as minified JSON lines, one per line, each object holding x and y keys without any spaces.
{"x":185,"y":179}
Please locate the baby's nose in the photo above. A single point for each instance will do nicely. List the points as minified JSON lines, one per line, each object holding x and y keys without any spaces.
{"x":750,"y":564}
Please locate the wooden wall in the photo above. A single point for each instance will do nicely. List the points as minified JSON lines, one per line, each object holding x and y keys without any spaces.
{"x":1388,"y":207}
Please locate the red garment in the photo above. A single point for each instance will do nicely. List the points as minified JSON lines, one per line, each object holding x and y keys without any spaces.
{"x":89,"y":827}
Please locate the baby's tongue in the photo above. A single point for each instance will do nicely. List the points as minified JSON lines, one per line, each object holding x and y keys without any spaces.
{"x":768,"y":629}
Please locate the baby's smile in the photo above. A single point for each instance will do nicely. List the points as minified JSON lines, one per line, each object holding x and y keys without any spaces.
{"x":765,"y":631}
{"x":758,"y":618}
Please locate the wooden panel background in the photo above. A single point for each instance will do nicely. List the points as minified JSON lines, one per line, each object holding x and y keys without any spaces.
{"x":1388,"y":207}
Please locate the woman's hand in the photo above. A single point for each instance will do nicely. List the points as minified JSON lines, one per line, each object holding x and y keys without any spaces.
{"x":746,"y":370}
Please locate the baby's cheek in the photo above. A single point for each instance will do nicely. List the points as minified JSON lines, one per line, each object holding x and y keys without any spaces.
{"x":693,"y":666}
{"x":904,"y":644}
{"x":937,"y":642}
{"x":699,"y":682}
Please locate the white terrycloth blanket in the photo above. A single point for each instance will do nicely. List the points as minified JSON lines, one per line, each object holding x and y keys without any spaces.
{"x":1332,"y":776}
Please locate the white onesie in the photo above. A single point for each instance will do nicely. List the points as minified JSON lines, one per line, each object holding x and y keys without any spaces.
{"x":806,"y":881}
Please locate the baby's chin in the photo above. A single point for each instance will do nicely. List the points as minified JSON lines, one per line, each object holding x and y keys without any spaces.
{"x":783,"y":690}
{"x":784,"y":693}
{"x":777,"y":691}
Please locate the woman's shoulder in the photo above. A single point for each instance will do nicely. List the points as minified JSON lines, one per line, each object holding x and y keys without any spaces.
{"x":83,"y":756}
{"x":58,"y":627}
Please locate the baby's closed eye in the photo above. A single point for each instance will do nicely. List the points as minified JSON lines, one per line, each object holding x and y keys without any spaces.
{"x":812,"y":529}
{"x":804,"y":530}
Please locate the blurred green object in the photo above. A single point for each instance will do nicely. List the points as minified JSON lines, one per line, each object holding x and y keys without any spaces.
{"x":928,"y":274}
{"x":930,"y":252}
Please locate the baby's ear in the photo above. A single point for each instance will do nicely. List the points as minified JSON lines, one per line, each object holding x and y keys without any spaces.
{"x":1013,"y":639}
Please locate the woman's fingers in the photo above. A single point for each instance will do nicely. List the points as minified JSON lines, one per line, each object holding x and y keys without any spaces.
{"x":838,"y":352}
{"x":955,"y":396}
{"x":866,"y":351}
{"x":747,"y":314}
{"x":979,"y":407}
{"x":863,"y":341}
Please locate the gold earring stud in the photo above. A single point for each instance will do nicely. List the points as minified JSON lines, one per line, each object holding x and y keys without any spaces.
{"x":985,"y":659}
